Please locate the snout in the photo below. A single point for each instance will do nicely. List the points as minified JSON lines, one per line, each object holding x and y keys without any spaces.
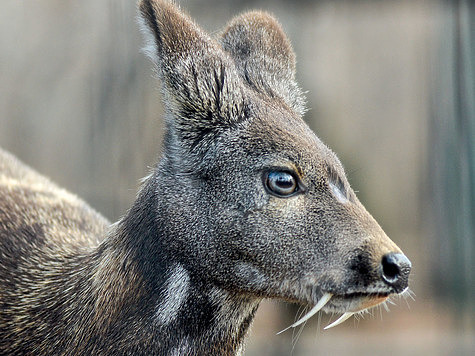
{"x":395,"y":269}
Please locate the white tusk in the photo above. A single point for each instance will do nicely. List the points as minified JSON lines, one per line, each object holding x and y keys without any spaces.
{"x":340,"y":320}
{"x":321,"y":303}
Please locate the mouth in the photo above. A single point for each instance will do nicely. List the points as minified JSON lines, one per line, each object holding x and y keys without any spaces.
{"x":351,"y":304}
{"x":354,"y":302}
{"x":348,"y":304}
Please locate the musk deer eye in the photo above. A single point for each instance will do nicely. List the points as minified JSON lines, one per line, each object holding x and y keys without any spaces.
{"x":281,"y":183}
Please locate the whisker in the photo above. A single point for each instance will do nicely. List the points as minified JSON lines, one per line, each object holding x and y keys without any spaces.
{"x":409,"y":294}
{"x":319,"y":322}
{"x":296,"y":339}
{"x":300,"y":312}
{"x":385,"y":305}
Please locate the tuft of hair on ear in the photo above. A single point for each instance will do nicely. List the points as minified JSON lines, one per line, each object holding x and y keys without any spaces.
{"x":168,"y":30}
{"x":264,"y":57}
{"x":201,"y":88}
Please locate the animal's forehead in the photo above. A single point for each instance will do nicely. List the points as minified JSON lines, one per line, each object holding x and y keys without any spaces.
{"x":281,"y":135}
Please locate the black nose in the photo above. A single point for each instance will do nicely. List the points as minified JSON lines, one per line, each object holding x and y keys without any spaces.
{"x":395,"y":269}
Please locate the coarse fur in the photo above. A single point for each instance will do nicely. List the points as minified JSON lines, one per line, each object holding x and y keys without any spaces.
{"x":184,"y":271}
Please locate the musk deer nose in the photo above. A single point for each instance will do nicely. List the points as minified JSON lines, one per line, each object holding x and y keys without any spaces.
{"x":395,"y":269}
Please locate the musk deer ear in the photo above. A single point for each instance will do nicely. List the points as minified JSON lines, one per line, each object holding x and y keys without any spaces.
{"x":200,"y":84}
{"x":264,"y":56}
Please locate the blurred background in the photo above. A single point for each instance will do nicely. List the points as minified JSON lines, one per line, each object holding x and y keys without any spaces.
{"x":391,"y":89}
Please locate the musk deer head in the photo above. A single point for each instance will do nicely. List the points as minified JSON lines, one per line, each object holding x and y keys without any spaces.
{"x":254,"y":202}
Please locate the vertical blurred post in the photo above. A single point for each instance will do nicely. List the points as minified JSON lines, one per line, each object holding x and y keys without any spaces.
{"x":453,"y":155}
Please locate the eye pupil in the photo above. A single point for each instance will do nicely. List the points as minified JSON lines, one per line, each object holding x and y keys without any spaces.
{"x":281,"y":183}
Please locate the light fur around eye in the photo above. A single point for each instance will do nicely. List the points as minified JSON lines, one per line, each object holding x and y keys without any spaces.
{"x":339,"y":192}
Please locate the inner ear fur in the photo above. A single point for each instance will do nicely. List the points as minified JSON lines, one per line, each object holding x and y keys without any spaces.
{"x":201,"y":86}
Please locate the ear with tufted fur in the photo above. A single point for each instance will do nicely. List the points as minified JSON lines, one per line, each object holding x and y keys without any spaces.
{"x":201,"y":87}
{"x":264,"y":57}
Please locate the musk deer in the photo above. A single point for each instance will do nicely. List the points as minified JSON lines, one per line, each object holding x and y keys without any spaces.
{"x":246,"y":203}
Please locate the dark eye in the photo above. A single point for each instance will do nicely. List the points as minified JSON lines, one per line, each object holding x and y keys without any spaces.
{"x":281,"y":183}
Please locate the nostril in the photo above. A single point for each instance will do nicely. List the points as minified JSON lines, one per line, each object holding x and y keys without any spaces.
{"x":390,"y":268}
{"x":395,"y":270}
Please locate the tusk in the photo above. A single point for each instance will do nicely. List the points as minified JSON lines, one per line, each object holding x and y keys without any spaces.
{"x":340,"y":320}
{"x":321,"y":303}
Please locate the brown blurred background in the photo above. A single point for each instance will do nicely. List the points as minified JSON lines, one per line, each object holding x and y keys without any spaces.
{"x":390,"y":89}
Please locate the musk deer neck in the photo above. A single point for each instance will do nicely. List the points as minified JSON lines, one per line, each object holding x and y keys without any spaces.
{"x":184,"y":312}
{"x":203,"y":318}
